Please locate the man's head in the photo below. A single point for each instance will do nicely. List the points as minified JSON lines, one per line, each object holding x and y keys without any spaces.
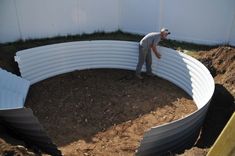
{"x":164,"y":33}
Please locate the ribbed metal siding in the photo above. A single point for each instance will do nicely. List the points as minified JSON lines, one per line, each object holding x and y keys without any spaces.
{"x":40,"y":63}
{"x":10,"y":100}
{"x":186,"y":72}
{"x":24,"y":124}
{"x":20,"y":120}
{"x":13,"y":90}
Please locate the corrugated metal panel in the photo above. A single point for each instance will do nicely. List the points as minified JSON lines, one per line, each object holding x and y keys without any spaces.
{"x":14,"y":83}
{"x":52,"y":60}
{"x":173,"y":136}
{"x":13,"y":90}
{"x":189,"y":74}
{"x":10,"y":100}
{"x":26,"y":126}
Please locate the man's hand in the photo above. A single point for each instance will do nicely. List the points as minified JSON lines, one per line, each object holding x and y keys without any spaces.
{"x":158,"y":55}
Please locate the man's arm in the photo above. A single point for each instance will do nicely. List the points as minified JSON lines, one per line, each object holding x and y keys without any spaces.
{"x":153,"y":47}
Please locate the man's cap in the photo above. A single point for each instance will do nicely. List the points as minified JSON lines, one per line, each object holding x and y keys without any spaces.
{"x":165,"y":30}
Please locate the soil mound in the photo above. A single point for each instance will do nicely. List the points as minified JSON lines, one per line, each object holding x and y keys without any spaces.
{"x":11,"y":150}
{"x":221,"y":63}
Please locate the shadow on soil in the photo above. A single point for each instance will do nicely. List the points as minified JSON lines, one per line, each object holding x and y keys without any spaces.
{"x":84,"y":103}
{"x":221,"y":108}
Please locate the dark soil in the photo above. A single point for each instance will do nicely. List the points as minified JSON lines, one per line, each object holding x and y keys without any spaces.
{"x":105,"y":112}
{"x":16,"y":148}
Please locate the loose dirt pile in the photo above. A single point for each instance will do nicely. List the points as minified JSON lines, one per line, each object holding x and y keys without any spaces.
{"x":221,"y":63}
{"x":10,"y":150}
{"x":105,"y":112}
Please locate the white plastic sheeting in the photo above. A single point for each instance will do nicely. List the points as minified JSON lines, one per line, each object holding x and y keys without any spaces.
{"x":207,"y":22}
{"x":39,"y":63}
{"x":30,"y":19}
{"x":9,"y":22}
{"x":138,"y":16}
{"x":232,"y":34}
{"x":13,"y":90}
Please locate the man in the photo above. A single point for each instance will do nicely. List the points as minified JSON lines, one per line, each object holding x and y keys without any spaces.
{"x":148,"y":43}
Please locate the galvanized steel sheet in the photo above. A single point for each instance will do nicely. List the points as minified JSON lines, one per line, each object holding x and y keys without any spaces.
{"x":20,"y":120}
{"x":13,"y":90}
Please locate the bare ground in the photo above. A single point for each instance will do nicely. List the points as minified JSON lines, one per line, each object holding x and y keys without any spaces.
{"x":105,"y":112}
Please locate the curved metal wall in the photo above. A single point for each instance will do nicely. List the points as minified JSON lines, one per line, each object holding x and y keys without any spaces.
{"x":13,"y":90}
{"x":20,"y":120}
{"x":26,"y":126}
{"x":39,"y":63}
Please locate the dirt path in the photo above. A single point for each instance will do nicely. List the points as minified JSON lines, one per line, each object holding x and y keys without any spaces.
{"x":104,"y":112}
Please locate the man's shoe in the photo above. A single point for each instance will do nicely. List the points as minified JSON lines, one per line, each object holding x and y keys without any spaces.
{"x":139,"y":76}
{"x":150,"y":74}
